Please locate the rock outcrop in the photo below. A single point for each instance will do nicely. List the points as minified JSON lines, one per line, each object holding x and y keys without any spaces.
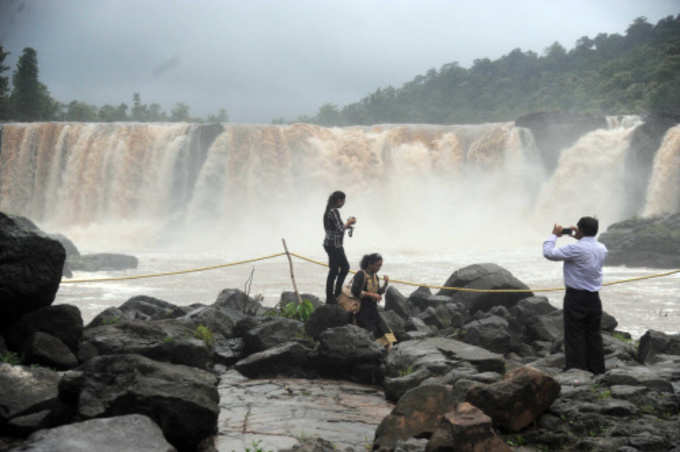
{"x":644,"y":242}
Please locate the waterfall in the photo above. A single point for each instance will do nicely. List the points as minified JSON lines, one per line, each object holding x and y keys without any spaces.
{"x":663,"y":192}
{"x":240,"y":185}
{"x":589,"y":178}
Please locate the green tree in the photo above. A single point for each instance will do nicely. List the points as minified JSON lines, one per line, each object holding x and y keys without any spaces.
{"x":4,"y":87}
{"x":155,"y":113}
{"x":221,"y":116}
{"x":180,"y":112}
{"x":80,"y":111}
{"x":30,"y":99}
{"x":139,"y":111}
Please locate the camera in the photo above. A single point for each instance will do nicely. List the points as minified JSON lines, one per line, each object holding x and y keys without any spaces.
{"x":567,"y":231}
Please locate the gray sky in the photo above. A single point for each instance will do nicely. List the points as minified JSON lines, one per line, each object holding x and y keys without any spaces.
{"x":282,"y":58}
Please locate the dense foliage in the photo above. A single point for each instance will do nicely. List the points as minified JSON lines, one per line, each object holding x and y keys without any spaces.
{"x":30,"y":100}
{"x":610,"y":73}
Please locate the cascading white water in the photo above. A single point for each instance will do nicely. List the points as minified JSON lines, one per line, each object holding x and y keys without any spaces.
{"x":589,"y":178}
{"x":416,"y":183}
{"x":663,"y":192}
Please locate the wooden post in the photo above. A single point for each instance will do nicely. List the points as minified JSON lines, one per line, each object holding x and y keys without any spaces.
{"x":292,"y":276}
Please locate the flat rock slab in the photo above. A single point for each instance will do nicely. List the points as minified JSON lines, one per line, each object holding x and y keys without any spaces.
{"x":281,"y":413}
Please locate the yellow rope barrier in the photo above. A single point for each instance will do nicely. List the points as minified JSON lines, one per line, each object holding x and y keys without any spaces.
{"x":178,"y":272}
{"x":468,"y":289}
{"x":395,"y":281}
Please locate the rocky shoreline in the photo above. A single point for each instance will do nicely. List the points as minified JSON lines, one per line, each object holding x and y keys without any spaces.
{"x":471,"y":371}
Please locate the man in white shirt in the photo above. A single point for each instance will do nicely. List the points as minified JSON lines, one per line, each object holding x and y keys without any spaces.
{"x":583,"y":261}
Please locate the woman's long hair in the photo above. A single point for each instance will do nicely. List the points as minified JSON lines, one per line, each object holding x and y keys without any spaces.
{"x":369,"y":259}
{"x":333,"y":200}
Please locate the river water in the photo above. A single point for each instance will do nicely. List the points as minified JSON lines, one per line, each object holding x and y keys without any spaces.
{"x":638,"y":306}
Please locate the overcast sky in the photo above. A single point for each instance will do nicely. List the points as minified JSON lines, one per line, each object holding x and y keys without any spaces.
{"x":282,"y":58}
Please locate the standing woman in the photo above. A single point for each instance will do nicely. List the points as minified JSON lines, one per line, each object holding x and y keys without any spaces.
{"x":335,"y":233}
{"x":366,"y":287}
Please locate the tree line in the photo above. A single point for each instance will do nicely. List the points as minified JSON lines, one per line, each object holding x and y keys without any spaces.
{"x":30,"y":100}
{"x":611,"y":74}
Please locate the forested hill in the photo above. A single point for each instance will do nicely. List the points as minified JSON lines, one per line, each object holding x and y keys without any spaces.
{"x":611,"y":73}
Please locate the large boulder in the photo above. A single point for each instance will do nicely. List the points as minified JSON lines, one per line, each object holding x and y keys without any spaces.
{"x":239,"y":301}
{"x":29,"y":399}
{"x":62,"y":321}
{"x":163,"y":340}
{"x":556,"y":130}
{"x":491,"y":333}
{"x":102,"y":262}
{"x":324,"y":317}
{"x":417,"y":414}
{"x":182,"y":400}
{"x":517,"y":400}
{"x":272,"y":333}
{"x":47,"y":350}
{"x":644,"y":242}
{"x":289,"y":359}
{"x":31,"y":266}
{"x":131,"y":433}
{"x":143,"y":307}
{"x":485,"y":276}
{"x":466,"y":429}
{"x":654,"y":343}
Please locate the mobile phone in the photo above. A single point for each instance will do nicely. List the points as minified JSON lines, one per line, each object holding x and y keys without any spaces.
{"x":567,"y":231}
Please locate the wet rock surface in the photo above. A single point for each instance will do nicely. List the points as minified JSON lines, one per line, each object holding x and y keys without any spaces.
{"x":644,"y":242}
{"x":281,"y":413}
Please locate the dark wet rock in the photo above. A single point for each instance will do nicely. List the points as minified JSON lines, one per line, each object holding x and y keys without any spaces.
{"x":324,"y":317}
{"x":102,"y":262}
{"x":108,"y":316}
{"x":484,"y":276}
{"x":556,"y":130}
{"x":423,"y":301}
{"x":548,"y":327}
{"x":443,"y":353}
{"x":290,"y":297}
{"x":164,"y":340}
{"x":395,"y":323}
{"x":608,"y":322}
{"x":531,"y":307}
{"x":491,"y":333}
{"x":3,"y":346}
{"x":221,"y":322}
{"x":29,"y":399}
{"x":654,"y":343}
{"x":644,"y":242}
{"x":182,"y":400}
{"x":71,"y":252}
{"x":31,"y":266}
{"x":290,"y":359}
{"x":62,"y":321}
{"x":349,"y":344}
{"x":417,"y":325}
{"x":49,"y":351}
{"x":418,"y":300}
{"x":238,"y":300}
{"x":417,"y":414}
{"x":467,"y":429}
{"x":637,"y":376}
{"x":395,"y":387}
{"x":131,"y":433}
{"x":143,"y":307}
{"x":430,"y":317}
{"x":229,"y":351}
{"x":395,"y":301}
{"x":615,"y":348}
{"x":273,"y":333}
{"x":517,"y":400}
